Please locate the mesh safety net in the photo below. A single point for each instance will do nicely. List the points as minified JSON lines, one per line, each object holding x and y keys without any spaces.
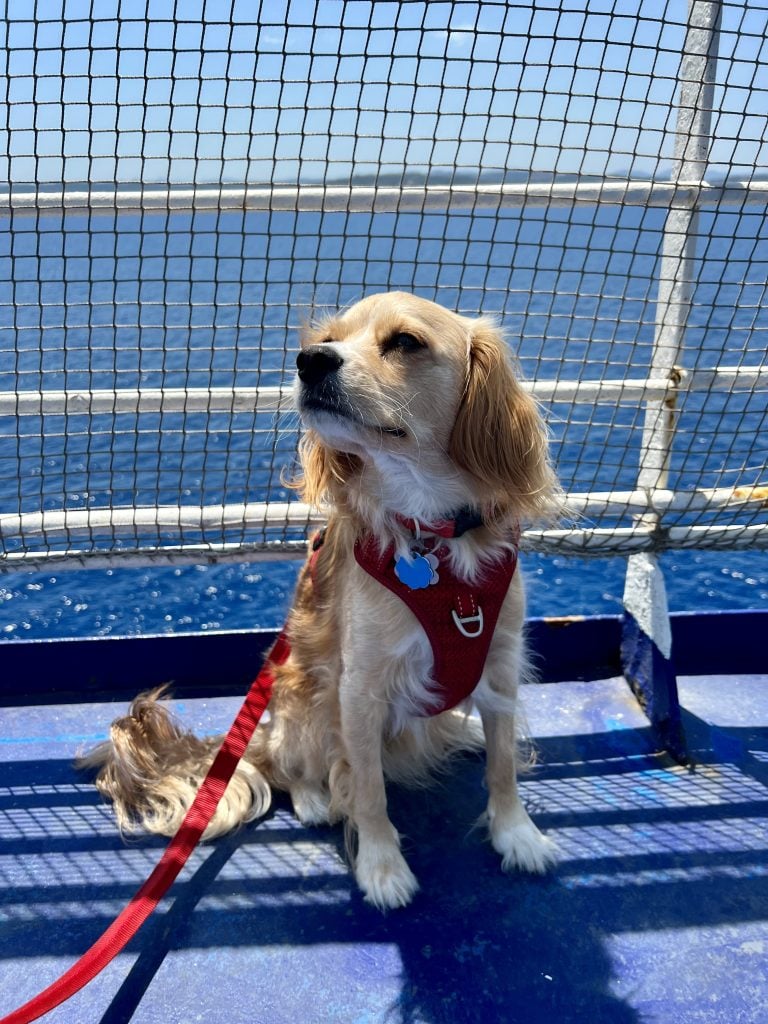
{"x":186,"y":184}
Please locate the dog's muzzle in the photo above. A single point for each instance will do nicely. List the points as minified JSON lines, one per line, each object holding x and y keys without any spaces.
{"x":316,"y":363}
{"x":322,"y":389}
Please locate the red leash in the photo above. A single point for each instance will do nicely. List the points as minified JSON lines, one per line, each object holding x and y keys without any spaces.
{"x":196,"y":820}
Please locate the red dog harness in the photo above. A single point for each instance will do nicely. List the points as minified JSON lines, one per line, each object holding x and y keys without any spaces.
{"x":458,"y":618}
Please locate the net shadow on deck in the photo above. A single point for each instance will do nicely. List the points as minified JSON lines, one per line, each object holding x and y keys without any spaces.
{"x":649,"y":849}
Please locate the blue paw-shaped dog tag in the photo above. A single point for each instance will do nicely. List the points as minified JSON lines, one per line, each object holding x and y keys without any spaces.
{"x":418,"y":574}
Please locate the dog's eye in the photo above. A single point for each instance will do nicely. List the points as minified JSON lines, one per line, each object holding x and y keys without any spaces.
{"x":402,"y":342}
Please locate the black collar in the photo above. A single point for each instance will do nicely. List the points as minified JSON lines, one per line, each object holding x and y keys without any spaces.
{"x":455,"y":525}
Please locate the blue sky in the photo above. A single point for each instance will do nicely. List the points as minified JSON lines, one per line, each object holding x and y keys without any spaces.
{"x":237,"y":90}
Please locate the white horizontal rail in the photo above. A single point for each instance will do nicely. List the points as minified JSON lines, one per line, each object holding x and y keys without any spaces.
{"x":188,"y":554}
{"x":150,"y":519}
{"x":595,"y":541}
{"x":663,"y":501}
{"x":357,"y":198}
{"x":145,"y":400}
{"x":630,"y":539}
{"x":278,"y":399}
{"x":135,"y":521}
{"x":732,"y":535}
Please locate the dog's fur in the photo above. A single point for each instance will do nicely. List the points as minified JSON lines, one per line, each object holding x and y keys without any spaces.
{"x":420,"y":414}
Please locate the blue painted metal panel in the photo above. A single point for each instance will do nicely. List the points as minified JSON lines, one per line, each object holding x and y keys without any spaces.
{"x":116,"y":668}
{"x":652,"y":679}
{"x":575,"y":648}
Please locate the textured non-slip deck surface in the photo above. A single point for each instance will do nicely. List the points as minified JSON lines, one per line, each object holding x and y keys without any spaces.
{"x":657,"y":912}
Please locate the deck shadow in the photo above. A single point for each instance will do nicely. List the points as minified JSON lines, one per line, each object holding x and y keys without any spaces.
{"x":645,"y":848}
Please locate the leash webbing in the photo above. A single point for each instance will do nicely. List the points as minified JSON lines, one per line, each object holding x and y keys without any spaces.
{"x":176,"y":854}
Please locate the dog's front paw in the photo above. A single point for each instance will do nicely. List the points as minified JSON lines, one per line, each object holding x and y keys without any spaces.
{"x":521,"y":845}
{"x":385,"y":878}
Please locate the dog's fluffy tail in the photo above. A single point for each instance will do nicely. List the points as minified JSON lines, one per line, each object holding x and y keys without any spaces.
{"x":151,"y":769}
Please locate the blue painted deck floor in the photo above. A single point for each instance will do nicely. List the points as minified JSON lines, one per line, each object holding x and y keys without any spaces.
{"x":658,"y":911}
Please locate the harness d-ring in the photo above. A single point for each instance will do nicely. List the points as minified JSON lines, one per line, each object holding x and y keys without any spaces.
{"x":461,"y":623}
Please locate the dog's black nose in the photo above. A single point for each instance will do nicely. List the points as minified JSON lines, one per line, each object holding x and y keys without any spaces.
{"x":316,"y":363}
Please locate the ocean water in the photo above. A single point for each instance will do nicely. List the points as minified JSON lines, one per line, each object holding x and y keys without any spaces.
{"x":205,"y":299}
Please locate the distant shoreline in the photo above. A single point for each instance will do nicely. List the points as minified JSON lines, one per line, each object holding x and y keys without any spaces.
{"x":406,"y":179}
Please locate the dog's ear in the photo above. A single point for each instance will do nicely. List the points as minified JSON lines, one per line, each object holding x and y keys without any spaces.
{"x":324,"y":471}
{"x":499,"y":436}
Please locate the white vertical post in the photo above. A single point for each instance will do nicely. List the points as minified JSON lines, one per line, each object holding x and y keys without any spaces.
{"x":647,"y":641}
{"x":676,"y":276}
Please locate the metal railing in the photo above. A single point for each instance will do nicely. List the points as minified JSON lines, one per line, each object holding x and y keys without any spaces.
{"x":637,"y":516}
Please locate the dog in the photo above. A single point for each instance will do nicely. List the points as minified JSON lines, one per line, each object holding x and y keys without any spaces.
{"x":428,"y":455}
